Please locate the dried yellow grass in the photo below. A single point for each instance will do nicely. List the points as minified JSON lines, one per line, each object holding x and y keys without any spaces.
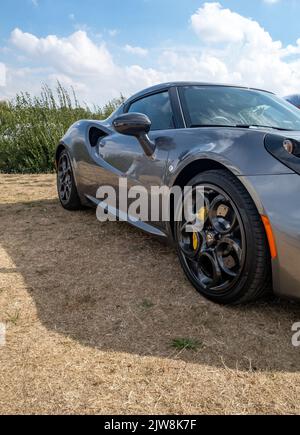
{"x":92,"y":311}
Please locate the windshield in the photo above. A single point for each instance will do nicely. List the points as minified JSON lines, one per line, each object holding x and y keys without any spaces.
{"x":226,"y":106}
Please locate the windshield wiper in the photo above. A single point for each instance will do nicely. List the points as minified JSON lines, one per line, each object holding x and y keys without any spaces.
{"x":210,"y":125}
{"x":240,"y":126}
{"x":261,"y":126}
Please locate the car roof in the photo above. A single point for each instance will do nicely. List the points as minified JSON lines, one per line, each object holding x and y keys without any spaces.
{"x":294,"y":99}
{"x":167,"y":85}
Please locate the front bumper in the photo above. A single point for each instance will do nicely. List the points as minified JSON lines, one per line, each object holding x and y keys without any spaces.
{"x":278,"y":197}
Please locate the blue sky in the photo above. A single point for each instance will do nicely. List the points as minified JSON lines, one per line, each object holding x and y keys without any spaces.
{"x":146,"y":22}
{"x":125,"y":45}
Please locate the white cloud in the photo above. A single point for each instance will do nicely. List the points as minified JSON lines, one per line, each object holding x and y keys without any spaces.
{"x":214,"y":24}
{"x":247,"y":50}
{"x":231,"y":49}
{"x":2,"y":74}
{"x":139,"y":51}
{"x":271,"y":2}
{"x":77,"y":61}
{"x":76,"y":54}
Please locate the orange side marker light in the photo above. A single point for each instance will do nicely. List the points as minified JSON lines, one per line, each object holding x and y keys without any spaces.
{"x":270,"y":235}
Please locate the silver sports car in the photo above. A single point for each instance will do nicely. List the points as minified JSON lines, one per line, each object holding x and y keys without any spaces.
{"x":241,"y":146}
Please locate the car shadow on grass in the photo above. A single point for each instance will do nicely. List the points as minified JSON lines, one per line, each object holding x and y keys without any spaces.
{"x":111,"y":287}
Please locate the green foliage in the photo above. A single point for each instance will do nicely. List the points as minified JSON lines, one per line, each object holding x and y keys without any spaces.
{"x":185,"y":343}
{"x":146,"y":304}
{"x":31,"y":127}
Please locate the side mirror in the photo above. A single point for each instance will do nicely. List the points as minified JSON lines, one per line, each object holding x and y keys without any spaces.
{"x":137,"y":125}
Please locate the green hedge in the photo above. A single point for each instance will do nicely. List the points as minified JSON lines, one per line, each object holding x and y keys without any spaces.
{"x":31,"y":127}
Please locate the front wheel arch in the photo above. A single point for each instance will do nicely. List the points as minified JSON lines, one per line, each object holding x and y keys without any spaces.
{"x":199,"y":166}
{"x":187,"y":174}
{"x":194,"y":168}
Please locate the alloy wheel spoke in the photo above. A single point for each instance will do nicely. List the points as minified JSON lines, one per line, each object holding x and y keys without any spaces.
{"x":190,"y":241}
{"x":221,"y":215}
{"x":229,"y":255}
{"x":209,"y":272}
{"x":63,"y":192}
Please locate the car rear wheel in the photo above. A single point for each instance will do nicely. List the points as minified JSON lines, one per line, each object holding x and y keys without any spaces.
{"x":66,"y":187}
{"x":224,"y":251}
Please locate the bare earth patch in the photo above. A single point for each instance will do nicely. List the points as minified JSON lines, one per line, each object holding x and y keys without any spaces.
{"x":100,"y":319}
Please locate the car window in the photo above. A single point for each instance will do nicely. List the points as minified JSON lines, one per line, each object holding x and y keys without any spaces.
{"x":158,"y":108}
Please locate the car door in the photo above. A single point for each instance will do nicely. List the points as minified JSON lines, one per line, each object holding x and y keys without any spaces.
{"x":125,"y":155}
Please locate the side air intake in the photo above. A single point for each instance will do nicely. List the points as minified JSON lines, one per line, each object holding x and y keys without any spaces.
{"x":95,"y":134}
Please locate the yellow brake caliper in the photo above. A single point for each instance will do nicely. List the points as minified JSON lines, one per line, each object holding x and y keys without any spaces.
{"x":195,"y":241}
{"x":201,"y":216}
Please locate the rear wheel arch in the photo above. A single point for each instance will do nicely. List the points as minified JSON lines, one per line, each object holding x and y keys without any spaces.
{"x":58,"y":153}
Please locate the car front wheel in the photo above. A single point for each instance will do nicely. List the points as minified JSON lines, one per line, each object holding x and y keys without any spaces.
{"x":224,"y":251}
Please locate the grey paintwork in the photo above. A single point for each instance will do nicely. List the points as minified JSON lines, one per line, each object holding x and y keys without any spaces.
{"x":274,"y":187}
{"x":279,"y":196}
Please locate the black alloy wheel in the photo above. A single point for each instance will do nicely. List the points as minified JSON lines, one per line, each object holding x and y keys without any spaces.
{"x":223,"y":249}
{"x":66,"y":186}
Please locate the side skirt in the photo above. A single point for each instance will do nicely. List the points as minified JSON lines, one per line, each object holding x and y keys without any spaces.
{"x":124,"y":217}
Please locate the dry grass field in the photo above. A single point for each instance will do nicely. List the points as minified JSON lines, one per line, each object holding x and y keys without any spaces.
{"x":92,"y":311}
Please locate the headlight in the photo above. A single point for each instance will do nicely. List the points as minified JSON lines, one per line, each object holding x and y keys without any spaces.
{"x":292,"y":147}
{"x":288,"y":145}
{"x":286,"y":150}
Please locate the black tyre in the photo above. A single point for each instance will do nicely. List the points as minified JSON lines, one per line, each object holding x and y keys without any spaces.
{"x":226,"y":255}
{"x":66,"y":187}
